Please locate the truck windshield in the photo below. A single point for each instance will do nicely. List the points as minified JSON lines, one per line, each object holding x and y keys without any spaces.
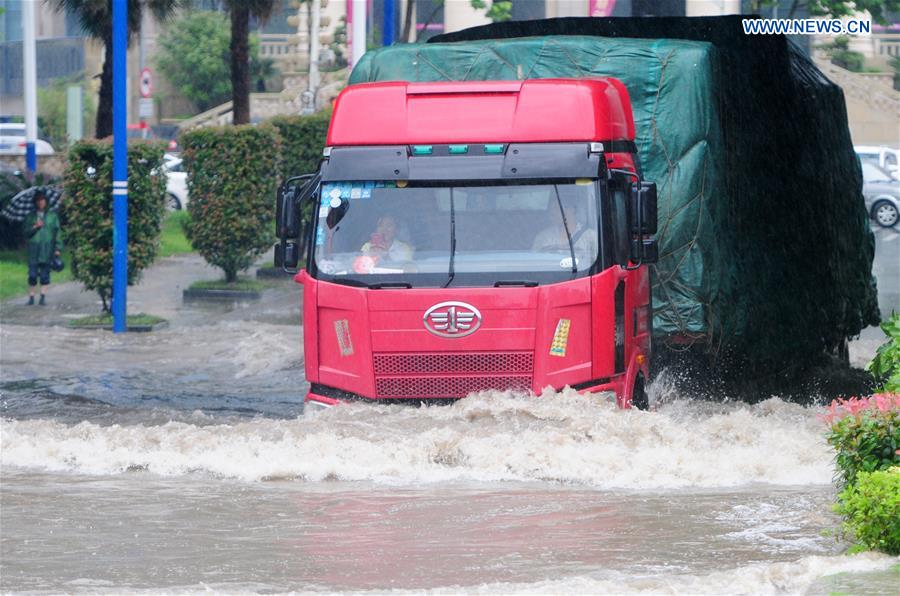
{"x":428,"y":236}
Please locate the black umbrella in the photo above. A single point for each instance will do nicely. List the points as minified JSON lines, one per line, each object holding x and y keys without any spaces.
{"x":22,"y":204}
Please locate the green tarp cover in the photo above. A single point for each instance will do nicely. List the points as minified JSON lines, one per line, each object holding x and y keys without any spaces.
{"x":734,"y":267}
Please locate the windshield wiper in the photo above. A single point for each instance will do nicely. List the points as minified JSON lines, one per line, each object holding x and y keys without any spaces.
{"x":562,"y":212}
{"x":383,"y":285}
{"x":527,"y":283}
{"x":452,"y":270}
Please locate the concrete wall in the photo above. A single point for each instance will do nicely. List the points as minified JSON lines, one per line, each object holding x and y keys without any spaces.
{"x":872,"y":127}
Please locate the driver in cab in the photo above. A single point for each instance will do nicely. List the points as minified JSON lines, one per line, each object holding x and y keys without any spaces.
{"x":383,"y":247}
{"x":556,"y":237}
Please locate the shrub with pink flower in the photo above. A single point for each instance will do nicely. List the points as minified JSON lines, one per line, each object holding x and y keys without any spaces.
{"x":865,"y":433}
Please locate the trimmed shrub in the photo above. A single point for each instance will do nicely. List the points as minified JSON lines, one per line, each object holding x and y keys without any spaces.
{"x":885,"y":366}
{"x":232,"y":176}
{"x":865,"y":433}
{"x":89,"y":217}
{"x":302,"y":141}
{"x":871,"y":511}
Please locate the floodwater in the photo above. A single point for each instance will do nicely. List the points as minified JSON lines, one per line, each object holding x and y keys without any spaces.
{"x":182,"y":461}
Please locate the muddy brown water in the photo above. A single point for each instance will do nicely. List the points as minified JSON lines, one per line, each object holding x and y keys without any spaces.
{"x":182,"y":461}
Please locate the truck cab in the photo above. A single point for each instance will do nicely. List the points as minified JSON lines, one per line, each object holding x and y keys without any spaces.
{"x":470,"y":236}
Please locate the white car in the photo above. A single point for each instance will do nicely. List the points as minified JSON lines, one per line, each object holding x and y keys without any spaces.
{"x":885,"y":158}
{"x":176,"y":183}
{"x":12,"y":140}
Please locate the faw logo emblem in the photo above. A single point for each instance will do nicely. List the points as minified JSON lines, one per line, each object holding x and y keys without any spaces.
{"x":452,"y":319}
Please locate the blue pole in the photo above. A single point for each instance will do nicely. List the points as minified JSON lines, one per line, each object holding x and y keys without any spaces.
{"x":30,"y":157}
{"x":387,"y":37}
{"x":120,"y":167}
{"x":29,"y":68}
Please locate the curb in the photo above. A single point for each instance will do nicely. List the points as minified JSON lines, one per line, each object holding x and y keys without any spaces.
{"x":272,"y":273}
{"x":234,"y":295}
{"x":129,"y":328}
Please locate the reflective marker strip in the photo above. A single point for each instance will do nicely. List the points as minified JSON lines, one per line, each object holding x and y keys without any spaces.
{"x":120,"y":191}
{"x":120,"y":187}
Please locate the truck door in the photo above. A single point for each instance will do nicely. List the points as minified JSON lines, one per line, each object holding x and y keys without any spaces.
{"x":619,"y":186}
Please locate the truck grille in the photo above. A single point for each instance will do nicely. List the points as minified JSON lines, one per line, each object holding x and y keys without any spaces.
{"x":450,"y":375}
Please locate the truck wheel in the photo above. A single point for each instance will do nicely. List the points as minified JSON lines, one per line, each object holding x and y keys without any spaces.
{"x":639,"y":397}
{"x":885,"y":214}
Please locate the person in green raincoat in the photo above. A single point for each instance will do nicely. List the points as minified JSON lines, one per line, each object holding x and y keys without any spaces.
{"x":42,"y":231}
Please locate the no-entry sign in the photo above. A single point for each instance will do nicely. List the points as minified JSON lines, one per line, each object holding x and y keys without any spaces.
{"x":146,"y":83}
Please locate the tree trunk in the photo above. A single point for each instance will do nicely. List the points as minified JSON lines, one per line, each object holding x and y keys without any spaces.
{"x":240,"y":63}
{"x":104,"y":106}
{"x":230,"y":275}
{"x":407,"y":20}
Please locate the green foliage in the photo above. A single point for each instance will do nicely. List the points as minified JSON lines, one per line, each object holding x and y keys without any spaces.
{"x":53,"y":108}
{"x":867,"y":437}
{"x":195,"y":57}
{"x":242,"y":283}
{"x":232,"y":175}
{"x":338,"y":45}
{"x":840,"y":54}
{"x":885,"y":366}
{"x":173,"y":241}
{"x":500,"y":10}
{"x":106,"y":320}
{"x":302,"y":141}
{"x":95,"y":19}
{"x":88,"y":210}
{"x":871,"y":511}
{"x":14,"y":272}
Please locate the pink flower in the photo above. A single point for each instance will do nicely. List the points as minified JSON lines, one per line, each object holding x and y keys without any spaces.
{"x":855,"y":406}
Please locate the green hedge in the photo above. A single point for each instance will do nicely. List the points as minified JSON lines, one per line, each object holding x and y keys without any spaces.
{"x":233,"y":172}
{"x":865,"y":434}
{"x":885,"y":366}
{"x":302,"y":141}
{"x":88,"y":211}
{"x":871,"y":511}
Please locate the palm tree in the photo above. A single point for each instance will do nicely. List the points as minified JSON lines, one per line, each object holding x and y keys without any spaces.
{"x":241,"y":10}
{"x":95,"y":18}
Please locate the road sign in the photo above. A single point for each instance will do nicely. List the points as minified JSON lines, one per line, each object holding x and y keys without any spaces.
{"x":146,"y":83}
{"x":145,"y":108}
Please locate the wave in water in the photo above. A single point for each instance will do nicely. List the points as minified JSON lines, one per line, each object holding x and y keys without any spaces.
{"x":815,"y":574}
{"x":557,"y":437}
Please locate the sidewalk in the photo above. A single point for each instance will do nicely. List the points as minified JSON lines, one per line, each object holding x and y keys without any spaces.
{"x":160,"y":293}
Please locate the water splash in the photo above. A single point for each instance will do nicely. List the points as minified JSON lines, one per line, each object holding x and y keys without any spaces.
{"x":557,"y":437}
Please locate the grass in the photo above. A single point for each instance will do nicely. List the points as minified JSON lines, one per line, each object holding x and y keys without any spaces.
{"x":243,"y":284}
{"x":14,"y":273}
{"x":14,"y":263}
{"x":173,"y":240}
{"x":107,"y":319}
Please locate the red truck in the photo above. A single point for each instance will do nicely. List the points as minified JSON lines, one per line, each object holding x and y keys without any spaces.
{"x":468,"y":236}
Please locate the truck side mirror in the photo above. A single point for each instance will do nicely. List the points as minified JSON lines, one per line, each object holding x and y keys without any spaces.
{"x":643,"y":198}
{"x":287,"y":213}
{"x":288,"y":205}
{"x":290,"y":254}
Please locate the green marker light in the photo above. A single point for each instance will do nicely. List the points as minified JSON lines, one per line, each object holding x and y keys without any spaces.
{"x":421,"y":149}
{"x":458,"y":149}
{"x":493,"y":149}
